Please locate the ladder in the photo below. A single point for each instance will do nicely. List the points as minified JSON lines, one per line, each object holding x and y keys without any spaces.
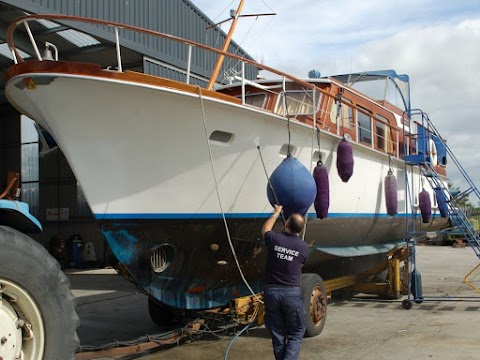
{"x":416,"y":146}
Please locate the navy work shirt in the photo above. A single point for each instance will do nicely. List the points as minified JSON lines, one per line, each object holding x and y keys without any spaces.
{"x":285,"y":255}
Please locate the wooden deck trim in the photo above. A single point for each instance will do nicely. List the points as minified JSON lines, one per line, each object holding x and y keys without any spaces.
{"x":75,"y":68}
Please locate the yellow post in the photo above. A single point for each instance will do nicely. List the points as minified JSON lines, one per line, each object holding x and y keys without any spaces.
{"x":396,"y":282}
{"x":468,"y":282}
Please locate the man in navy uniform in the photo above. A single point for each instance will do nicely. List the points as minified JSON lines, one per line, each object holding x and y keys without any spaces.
{"x":284,"y":309}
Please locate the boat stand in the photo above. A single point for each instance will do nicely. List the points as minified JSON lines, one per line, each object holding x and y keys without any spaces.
{"x":249,"y":310}
{"x":391,"y":286}
{"x":374,"y":282}
{"x":418,"y":155}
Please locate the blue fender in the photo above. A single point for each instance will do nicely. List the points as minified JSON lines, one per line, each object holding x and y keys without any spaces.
{"x":16,"y":214}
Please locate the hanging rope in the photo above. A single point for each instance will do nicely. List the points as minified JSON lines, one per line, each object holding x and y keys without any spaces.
{"x":319,"y":146}
{"x":219,"y":198}
{"x":315,"y":130}
{"x":338,"y":100}
{"x":314,"y":126}
{"x":285,"y":106}
{"x":270,"y":184}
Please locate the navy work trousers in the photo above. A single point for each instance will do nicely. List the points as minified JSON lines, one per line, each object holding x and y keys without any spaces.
{"x":285,"y":318}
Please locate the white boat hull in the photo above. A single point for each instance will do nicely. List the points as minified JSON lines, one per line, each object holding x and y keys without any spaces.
{"x":140,"y":150}
{"x":142,"y":158}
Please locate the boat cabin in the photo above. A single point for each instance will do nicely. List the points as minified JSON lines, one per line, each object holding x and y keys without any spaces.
{"x":370,"y":109}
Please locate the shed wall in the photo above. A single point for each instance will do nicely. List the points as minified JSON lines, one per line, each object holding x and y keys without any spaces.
{"x":176,"y":17}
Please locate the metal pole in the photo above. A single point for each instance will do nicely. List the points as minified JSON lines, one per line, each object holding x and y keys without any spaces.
{"x":35,"y":47}
{"x":14,"y":56}
{"x":243,"y":83}
{"x":189,"y":63}
{"x":119,"y":56}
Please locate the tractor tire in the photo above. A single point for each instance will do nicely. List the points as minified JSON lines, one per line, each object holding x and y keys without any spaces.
{"x":37,"y":309}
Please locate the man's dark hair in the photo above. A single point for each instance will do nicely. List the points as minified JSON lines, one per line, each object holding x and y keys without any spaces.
{"x":296,"y":222}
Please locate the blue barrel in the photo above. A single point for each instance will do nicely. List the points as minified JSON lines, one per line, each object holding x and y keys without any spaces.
{"x":76,"y":245}
{"x":417,"y":288}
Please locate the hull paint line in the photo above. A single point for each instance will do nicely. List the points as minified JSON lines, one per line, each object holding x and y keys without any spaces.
{"x":182,"y":216}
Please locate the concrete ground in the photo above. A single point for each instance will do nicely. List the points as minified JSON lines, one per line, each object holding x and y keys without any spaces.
{"x":362,"y":328}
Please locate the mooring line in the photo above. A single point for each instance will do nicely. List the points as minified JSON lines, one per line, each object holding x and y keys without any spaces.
{"x":219,"y":198}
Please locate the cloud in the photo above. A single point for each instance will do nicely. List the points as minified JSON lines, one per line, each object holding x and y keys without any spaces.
{"x":435,"y":43}
{"x":442,"y":62}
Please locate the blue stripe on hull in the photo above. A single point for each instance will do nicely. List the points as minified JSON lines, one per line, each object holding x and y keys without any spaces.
{"x":194,"y":216}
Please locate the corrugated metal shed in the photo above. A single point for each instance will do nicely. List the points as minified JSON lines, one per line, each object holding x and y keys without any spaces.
{"x":52,"y":185}
{"x":176,"y":17}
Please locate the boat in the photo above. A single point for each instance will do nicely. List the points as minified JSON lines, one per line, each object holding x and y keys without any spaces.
{"x":177,"y":174}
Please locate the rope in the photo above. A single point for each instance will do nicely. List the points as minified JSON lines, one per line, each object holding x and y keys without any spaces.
{"x":219,"y":198}
{"x":270,"y":184}
{"x":314,"y":126}
{"x":317,"y":130}
{"x":289,"y":151}
{"x":339,"y":111}
{"x":318,"y":142}
{"x":268,"y":6}
{"x":235,"y":338}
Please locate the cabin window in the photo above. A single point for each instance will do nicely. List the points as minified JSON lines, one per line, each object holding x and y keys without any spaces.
{"x":344,"y":113}
{"x":395,"y":92}
{"x":364,"y":119}
{"x":384,"y":135}
{"x":380,"y":130}
{"x":392,"y":141}
{"x":383,"y":89}
{"x":297,"y":103}
{"x":257,"y":100}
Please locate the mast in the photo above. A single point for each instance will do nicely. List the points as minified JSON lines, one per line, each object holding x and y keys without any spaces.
{"x":218,"y":65}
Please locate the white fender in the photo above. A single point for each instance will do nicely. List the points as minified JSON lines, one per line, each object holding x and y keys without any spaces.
{"x":89,"y":254}
{"x":432,"y":152}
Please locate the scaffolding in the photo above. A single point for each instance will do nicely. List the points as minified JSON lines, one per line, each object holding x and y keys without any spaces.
{"x":421,"y":140}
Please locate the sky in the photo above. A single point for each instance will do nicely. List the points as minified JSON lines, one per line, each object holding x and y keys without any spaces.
{"x":437,"y":43}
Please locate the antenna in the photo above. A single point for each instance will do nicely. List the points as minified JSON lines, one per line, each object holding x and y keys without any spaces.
{"x":234,"y":15}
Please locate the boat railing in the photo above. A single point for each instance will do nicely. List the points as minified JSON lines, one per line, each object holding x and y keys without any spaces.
{"x":190,"y":44}
{"x":318,"y":93}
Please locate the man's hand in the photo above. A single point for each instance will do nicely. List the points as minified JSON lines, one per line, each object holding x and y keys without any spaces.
{"x":277,"y":209}
{"x":268,"y":225}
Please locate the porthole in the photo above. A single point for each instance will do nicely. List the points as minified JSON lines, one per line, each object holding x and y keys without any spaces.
{"x":221,"y":137}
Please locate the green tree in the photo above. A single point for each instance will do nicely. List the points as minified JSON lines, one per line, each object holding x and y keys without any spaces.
{"x":463,"y":201}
